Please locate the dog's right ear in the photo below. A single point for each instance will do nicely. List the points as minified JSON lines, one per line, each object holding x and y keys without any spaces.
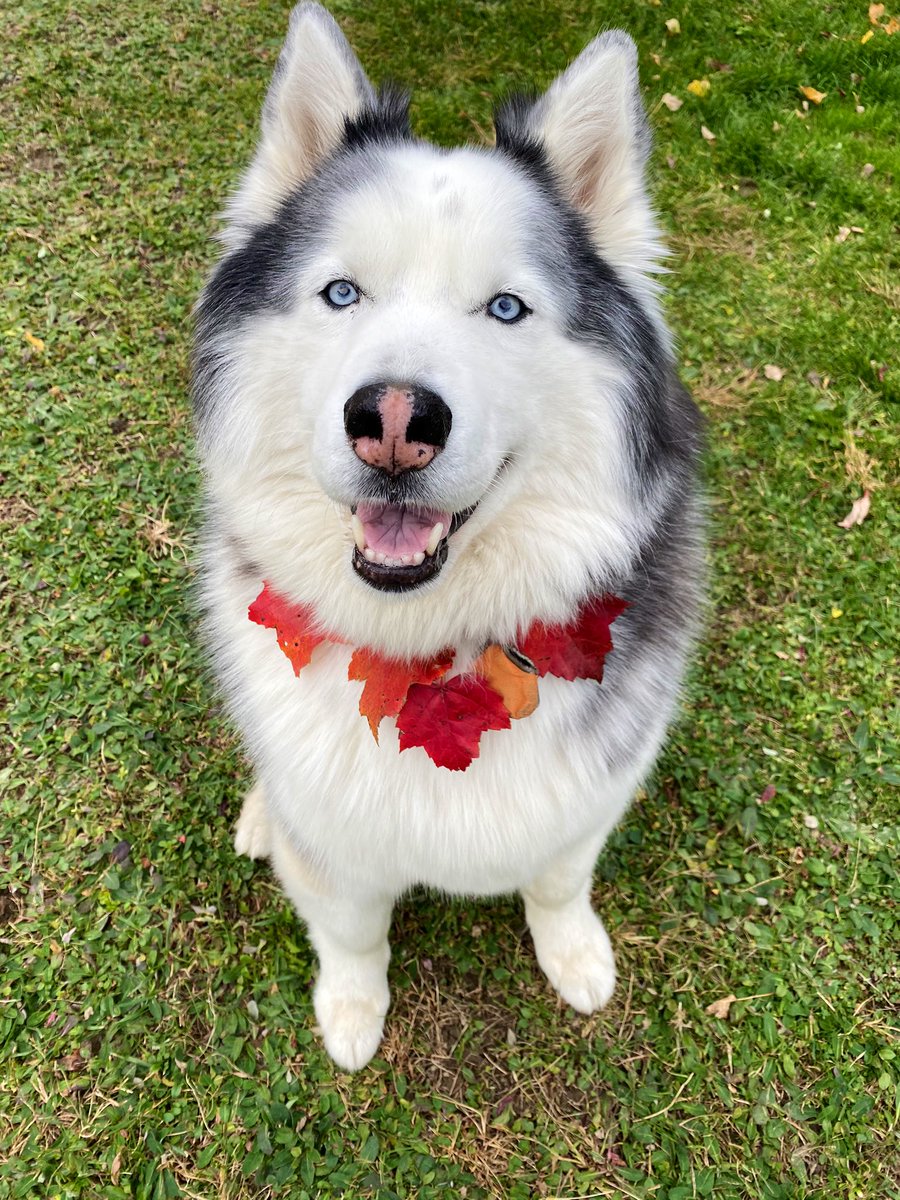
{"x":317,"y":85}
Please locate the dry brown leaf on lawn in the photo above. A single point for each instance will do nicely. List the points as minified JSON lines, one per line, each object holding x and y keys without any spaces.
{"x":673,"y":26}
{"x":892,"y":26}
{"x":842,"y":234}
{"x":812,"y":94}
{"x":776,"y":374}
{"x":671,"y":102}
{"x":868,"y":169}
{"x":721,"y":1008}
{"x":876,"y":12}
{"x":858,"y":512}
{"x":707,"y":134}
{"x":699,"y":87}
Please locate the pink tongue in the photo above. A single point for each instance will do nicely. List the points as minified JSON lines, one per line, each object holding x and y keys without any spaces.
{"x":394,"y":530}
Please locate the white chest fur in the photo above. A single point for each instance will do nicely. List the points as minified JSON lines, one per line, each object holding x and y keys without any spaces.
{"x":389,"y":819}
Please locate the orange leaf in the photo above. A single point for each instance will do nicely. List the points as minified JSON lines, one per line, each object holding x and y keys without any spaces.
{"x":876,"y":12}
{"x":388,"y":680}
{"x":294,"y":625}
{"x":811,"y":94}
{"x":517,"y":688}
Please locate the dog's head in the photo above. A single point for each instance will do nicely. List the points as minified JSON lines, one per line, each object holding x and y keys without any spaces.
{"x":439,"y":375}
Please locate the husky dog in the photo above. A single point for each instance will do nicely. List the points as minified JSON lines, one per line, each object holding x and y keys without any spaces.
{"x":436,"y":403}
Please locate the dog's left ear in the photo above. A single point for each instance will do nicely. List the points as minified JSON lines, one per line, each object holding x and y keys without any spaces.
{"x":317,"y":85}
{"x":594,"y":134}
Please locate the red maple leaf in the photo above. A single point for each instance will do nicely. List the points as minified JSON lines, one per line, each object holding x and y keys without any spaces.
{"x":294,"y":625}
{"x":389,"y":679}
{"x":447,"y":719}
{"x":577,"y":650}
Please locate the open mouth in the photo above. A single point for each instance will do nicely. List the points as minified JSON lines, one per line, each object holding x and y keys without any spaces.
{"x":399,"y":547}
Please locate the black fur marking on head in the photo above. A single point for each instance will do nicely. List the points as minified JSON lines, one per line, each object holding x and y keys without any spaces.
{"x":663,"y":424}
{"x":384,"y":120}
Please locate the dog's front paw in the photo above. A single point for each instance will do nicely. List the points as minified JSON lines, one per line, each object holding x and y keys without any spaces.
{"x":252,"y":834}
{"x":351,"y":1025}
{"x":577,"y":959}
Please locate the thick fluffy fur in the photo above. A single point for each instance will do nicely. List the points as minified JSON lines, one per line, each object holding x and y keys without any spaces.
{"x":571,"y":434}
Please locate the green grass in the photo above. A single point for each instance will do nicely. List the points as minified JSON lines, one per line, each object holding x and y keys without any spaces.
{"x":154,"y":999}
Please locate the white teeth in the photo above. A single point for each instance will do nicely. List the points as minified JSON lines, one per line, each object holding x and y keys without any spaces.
{"x":418,"y":558}
{"x":359,"y":534}
{"x":380,"y":558}
{"x":434,"y":538}
{"x":369,"y":554}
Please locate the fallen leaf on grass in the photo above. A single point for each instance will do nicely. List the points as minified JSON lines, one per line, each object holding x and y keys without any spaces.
{"x":858,"y":512}
{"x":715,"y":64}
{"x":892,"y":26}
{"x":876,"y":12}
{"x":671,"y":102}
{"x":776,"y":374}
{"x":868,"y":169}
{"x":699,"y":87}
{"x":721,"y":1008}
{"x":673,"y":26}
{"x":866,"y":37}
{"x":36,"y":343}
{"x":844,"y":232}
{"x":707,"y":134}
{"x":768,"y":793}
{"x":812,"y":94}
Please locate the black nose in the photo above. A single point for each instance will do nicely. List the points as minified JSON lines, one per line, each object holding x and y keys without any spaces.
{"x":397,"y":427}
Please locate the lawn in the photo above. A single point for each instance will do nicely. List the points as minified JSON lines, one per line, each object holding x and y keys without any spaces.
{"x":155,"y":1017}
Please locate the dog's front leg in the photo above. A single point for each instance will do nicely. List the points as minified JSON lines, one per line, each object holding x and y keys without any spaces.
{"x":571,"y":944}
{"x":349,"y":933}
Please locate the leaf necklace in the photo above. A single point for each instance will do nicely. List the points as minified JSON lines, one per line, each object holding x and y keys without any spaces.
{"x":447,"y":717}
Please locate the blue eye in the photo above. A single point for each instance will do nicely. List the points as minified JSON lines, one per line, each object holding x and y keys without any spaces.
{"x":341,"y":293}
{"x":507,"y":307}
